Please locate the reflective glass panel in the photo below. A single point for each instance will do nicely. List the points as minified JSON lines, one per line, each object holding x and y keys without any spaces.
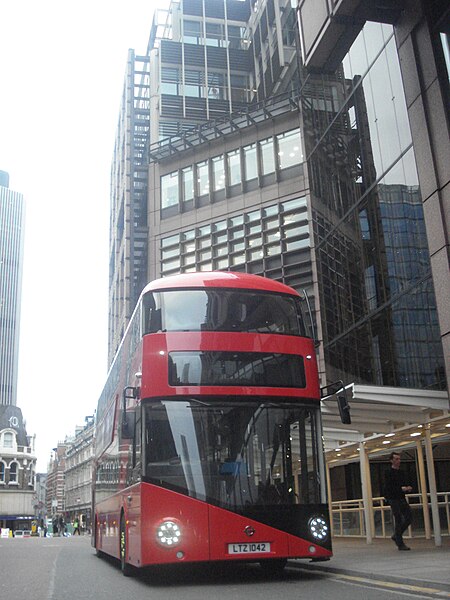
{"x":267,"y":156}
{"x":223,"y":310}
{"x":235,"y":455}
{"x":289,"y":149}
{"x":234,"y":167}
{"x":250,"y":162}
{"x":169,"y":190}
{"x":218,"y":168}
{"x":187,"y":176}
{"x":202,"y":178}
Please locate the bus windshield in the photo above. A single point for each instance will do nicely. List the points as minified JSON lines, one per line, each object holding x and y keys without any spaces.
{"x":223,"y":310}
{"x":233,"y":455}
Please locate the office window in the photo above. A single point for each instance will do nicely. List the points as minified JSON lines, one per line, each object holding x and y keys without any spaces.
{"x":239,"y":88}
{"x":289,"y":149}
{"x":215,"y":35}
{"x":250,"y":162}
{"x":187,"y":182}
{"x":234,"y":167}
{"x":192,"y":32}
{"x":169,"y":190}
{"x":236,"y":36}
{"x":202,"y":178}
{"x":193,"y":83}
{"x":218,"y":173}
{"x":216,"y":83}
{"x":170,"y":80}
{"x":267,"y":156}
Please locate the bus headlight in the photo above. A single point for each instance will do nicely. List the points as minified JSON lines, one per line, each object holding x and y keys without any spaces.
{"x":318,"y":528}
{"x":168,"y":534}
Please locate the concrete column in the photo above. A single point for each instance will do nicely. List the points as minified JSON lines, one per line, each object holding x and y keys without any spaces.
{"x":433,"y":491}
{"x":423,"y":489}
{"x":366,"y":486}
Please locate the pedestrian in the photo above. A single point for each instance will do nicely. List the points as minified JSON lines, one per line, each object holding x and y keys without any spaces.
{"x":76,"y":526}
{"x":55,"y":526}
{"x":395,"y":489}
{"x":61,"y":525}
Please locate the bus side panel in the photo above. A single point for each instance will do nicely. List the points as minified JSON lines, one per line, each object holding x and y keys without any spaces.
{"x":132,"y":503}
{"x":108,"y":523}
{"x":158,"y":505}
{"x":229,"y":528}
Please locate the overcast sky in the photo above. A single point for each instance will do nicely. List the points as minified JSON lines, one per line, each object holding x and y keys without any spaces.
{"x":62,"y":67}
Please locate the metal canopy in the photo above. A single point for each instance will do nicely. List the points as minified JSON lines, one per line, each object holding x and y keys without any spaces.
{"x":383,"y":417}
{"x":217,"y":128}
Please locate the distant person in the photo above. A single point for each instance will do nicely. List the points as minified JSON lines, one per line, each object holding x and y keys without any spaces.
{"x":61,"y":525}
{"x":55,"y":526}
{"x":395,"y":489}
{"x":76,"y":526}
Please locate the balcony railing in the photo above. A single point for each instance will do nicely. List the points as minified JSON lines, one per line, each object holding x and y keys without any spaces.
{"x":348,"y":517}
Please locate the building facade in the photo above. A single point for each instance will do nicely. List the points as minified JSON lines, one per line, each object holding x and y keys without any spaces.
{"x":40,"y":511}
{"x":12,"y":215}
{"x":17,"y":471}
{"x":204,"y":60}
{"x":316,"y":186}
{"x":316,"y":151}
{"x":78,"y":475}
{"x":55,"y":502}
{"x":307,"y":142}
{"x":411,"y":146}
{"x":17,"y":451}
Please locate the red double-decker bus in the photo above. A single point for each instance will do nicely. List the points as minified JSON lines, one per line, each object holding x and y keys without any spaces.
{"x":208,"y":443}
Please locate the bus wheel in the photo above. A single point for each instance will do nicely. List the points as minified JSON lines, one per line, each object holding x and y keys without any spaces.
{"x":274,"y":566}
{"x":127,"y":569}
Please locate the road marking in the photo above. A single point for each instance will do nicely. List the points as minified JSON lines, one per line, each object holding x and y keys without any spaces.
{"x":51,"y":580}
{"x":397,"y":586}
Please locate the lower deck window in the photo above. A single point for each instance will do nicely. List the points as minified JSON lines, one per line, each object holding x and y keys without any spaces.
{"x":235,"y":454}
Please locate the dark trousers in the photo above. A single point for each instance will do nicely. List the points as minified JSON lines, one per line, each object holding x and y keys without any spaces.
{"x":402,"y":519}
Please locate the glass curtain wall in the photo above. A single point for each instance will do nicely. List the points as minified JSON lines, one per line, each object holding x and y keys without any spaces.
{"x":376,"y":293}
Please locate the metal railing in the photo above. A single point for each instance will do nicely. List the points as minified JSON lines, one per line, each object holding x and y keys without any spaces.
{"x":348,"y":517}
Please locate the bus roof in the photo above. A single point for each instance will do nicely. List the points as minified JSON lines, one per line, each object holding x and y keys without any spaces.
{"x":219,"y":279}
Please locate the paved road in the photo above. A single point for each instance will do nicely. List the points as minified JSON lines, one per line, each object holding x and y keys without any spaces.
{"x":67,"y":569}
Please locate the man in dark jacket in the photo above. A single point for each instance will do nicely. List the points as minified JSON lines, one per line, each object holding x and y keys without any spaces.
{"x":395,"y":490}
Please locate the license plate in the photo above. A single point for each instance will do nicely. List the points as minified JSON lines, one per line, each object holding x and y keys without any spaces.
{"x":249,"y":548}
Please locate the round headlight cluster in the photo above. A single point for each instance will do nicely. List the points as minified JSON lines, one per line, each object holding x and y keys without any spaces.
{"x":319,"y":528}
{"x":168,"y":534}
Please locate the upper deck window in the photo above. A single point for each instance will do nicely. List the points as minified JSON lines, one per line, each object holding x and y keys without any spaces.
{"x":222,"y":310}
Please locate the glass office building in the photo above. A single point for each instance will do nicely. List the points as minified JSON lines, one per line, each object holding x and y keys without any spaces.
{"x":12,"y":215}
{"x":310,"y":180}
{"x":377,"y":304}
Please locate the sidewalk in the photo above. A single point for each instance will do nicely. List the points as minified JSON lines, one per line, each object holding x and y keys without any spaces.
{"x":425,"y":565}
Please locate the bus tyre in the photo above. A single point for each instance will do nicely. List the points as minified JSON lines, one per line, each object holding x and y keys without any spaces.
{"x":126,"y":568}
{"x":273,"y":567}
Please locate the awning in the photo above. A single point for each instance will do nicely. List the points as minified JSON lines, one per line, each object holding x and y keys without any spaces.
{"x":383,"y":417}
